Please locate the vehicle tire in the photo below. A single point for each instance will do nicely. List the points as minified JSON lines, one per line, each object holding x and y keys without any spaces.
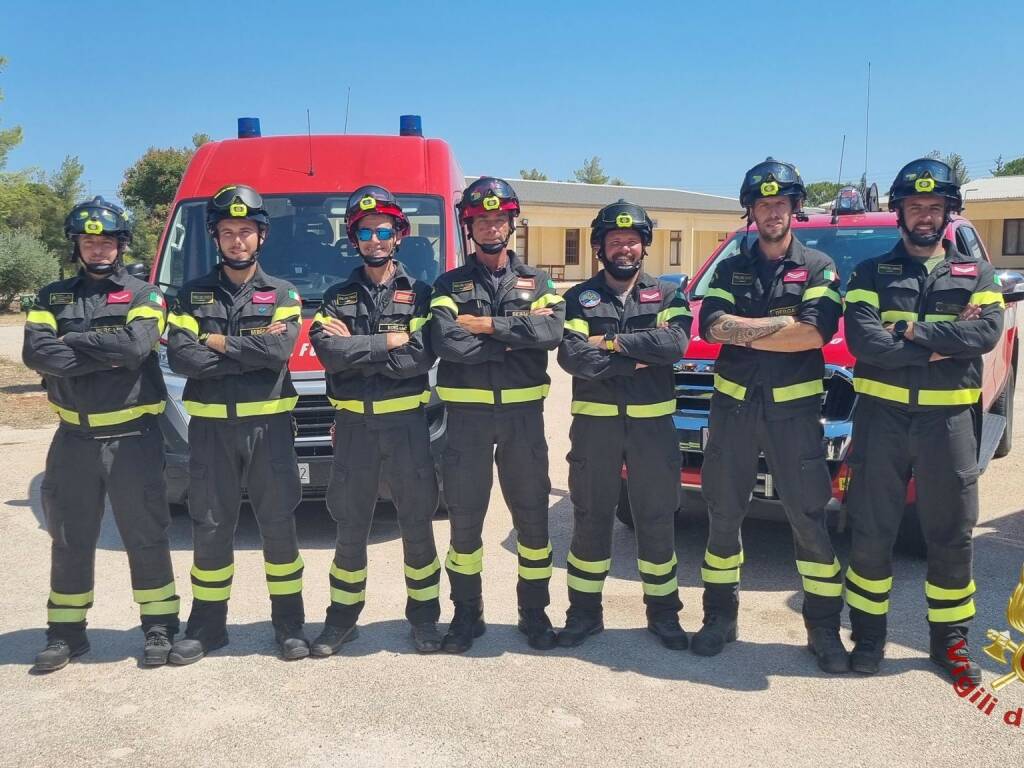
{"x":910,"y":540}
{"x":623,"y":511}
{"x":1003,"y":406}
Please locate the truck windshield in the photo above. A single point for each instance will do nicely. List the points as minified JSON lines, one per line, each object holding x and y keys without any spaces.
{"x":306,"y":246}
{"x":848,"y":246}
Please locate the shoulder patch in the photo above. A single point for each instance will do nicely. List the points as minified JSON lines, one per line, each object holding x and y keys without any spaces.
{"x":796,"y":276}
{"x":647,"y":295}
{"x":61,"y":298}
{"x":890,"y":269}
{"x":119,"y":297}
{"x":526,"y":284}
{"x":198,"y":298}
{"x":590,"y":299}
{"x":404,"y":297}
{"x":963,"y":270}
{"x":264,"y":297}
{"x":462,"y":286}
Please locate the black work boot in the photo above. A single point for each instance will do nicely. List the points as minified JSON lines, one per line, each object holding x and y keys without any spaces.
{"x":535,"y":624}
{"x":157,"y":645}
{"x":60,"y":648}
{"x":950,"y":652}
{"x":579,"y":625}
{"x":718,"y":629}
{"x":825,"y":644}
{"x":665,"y":624}
{"x":426,"y":638}
{"x":206,"y":632}
{"x":331,"y":638}
{"x":290,"y":639}
{"x":467,"y":624}
{"x":867,"y":654}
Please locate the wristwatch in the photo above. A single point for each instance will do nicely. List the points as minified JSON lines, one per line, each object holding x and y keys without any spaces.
{"x":609,"y":342}
{"x":900,"y":328}
{"x":203,"y":337}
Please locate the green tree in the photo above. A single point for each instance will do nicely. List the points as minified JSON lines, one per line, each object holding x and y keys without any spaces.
{"x":533,"y":175}
{"x":198,"y":139}
{"x":591,"y":172}
{"x":617,"y":182}
{"x":954,"y":161}
{"x":822,"y":193}
{"x":1014,"y":167}
{"x":148,"y":190}
{"x":9,"y":137}
{"x":25,"y":265}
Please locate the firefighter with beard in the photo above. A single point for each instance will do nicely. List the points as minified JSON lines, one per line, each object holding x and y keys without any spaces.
{"x":370,"y":337}
{"x":93,"y":338}
{"x":918,"y":320}
{"x":231,"y":333}
{"x":771,"y":307}
{"x":494,"y":321}
{"x":623,"y":331}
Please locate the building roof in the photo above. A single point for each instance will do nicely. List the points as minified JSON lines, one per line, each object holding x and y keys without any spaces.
{"x":566,"y":193}
{"x":994,"y":188}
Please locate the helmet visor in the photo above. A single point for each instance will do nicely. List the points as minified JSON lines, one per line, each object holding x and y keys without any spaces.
{"x":237,"y":201}
{"x":96,"y":221}
{"x":924,"y":174}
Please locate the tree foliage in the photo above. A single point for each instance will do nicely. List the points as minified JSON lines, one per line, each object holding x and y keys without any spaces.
{"x":148,"y":190}
{"x":25,"y":265}
{"x":954,"y":161}
{"x":533,"y":175}
{"x":9,"y":137}
{"x":591,"y":172}
{"x":1013,"y":167}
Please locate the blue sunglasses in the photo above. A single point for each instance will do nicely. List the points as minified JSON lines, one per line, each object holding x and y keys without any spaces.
{"x":365,"y":234}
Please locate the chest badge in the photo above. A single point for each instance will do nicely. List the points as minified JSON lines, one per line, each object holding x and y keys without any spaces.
{"x":197,"y":298}
{"x":462,"y":286}
{"x":648,"y":295}
{"x":346,"y":299}
{"x":890,"y":269}
{"x":119,"y":297}
{"x":963,"y":270}
{"x":796,"y":276}
{"x":61,"y":298}
{"x":589,"y":299}
{"x":404,"y":297}
{"x":264,"y":297}
{"x":742,"y":278}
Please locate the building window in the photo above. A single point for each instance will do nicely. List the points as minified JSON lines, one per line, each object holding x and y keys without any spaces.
{"x":572,"y":247}
{"x":1013,"y":237}
{"x":523,"y":241}
{"x":675,"y":248}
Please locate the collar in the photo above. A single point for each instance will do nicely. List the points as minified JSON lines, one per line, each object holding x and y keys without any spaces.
{"x":515,"y":264}
{"x":899,"y":252}
{"x":399,"y":276}
{"x":216,"y":277}
{"x":795,"y":254}
{"x":643,"y":281}
{"x":119,"y":278}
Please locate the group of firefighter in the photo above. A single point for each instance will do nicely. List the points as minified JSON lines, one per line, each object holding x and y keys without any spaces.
{"x":918,"y":319}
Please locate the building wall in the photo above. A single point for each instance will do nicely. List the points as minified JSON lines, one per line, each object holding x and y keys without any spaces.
{"x":988,"y":217}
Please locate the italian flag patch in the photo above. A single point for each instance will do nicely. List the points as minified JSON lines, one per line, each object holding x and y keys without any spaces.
{"x":829,"y":275}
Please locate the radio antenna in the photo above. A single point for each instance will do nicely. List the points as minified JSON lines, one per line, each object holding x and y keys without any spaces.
{"x":309,"y":136}
{"x":867,"y":125}
{"x":839,"y":184}
{"x":348,"y":100}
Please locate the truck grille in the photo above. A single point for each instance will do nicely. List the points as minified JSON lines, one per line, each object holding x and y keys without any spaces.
{"x":314,"y":416}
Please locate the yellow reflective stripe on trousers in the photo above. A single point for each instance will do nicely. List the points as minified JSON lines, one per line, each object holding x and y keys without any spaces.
{"x":347,"y":598}
{"x":355,"y":406}
{"x":283,"y":569}
{"x":349,"y":577}
{"x":445,"y":301}
{"x":599,"y":567}
{"x":161,"y":608}
{"x":546,"y":301}
{"x":940,"y":593}
{"x":718,"y":293}
{"x":72,"y":601}
{"x":796,"y":391}
{"x":861,"y":603}
{"x":221,"y":574}
{"x":398,"y":404}
{"x":266,"y":407}
{"x":211,"y":594}
{"x":948,"y":396}
{"x":981,"y":298}
{"x":822,"y":588}
{"x":151,"y":595}
{"x":185,"y":322}
{"x":584,"y":408}
{"x":207,"y":410}
{"x":876,"y":586}
{"x":535,"y":574}
{"x":285,"y":313}
{"x":578,"y":325}
{"x":884,"y":391}
{"x":290,"y":587}
{"x":467,"y":564}
{"x":821,"y":292}
{"x":42,"y":317}
{"x":534,"y":554}
{"x":731,"y":576}
{"x":660,"y":590}
{"x":730,"y":388}
{"x":592,"y":586}
{"x":656,"y":569}
{"x":110,"y":418}
{"x":895,"y":315}
{"x":733,"y":561}
{"x":417,"y":323}
{"x":650,"y":410}
{"x":818,"y":570}
{"x":466,"y":395}
{"x":151,"y":313}
{"x":425,"y":593}
{"x":950,"y":615}
{"x":524,"y":394}
{"x":65,"y":615}
{"x":421,"y":573}
{"x":667,"y":314}
{"x":860,"y":295}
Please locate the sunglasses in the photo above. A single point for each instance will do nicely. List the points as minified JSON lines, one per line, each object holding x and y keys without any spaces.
{"x":365,"y":234}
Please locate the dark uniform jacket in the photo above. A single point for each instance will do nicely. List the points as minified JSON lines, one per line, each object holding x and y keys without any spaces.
{"x":252,"y":378}
{"x":363,"y":376}
{"x":607,"y":383}
{"x":805,"y":286}
{"x":506,"y":367}
{"x":94,"y":342}
{"x":896,"y":287}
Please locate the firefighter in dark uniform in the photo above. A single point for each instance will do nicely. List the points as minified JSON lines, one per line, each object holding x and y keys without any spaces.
{"x":772,"y":307}
{"x":623,"y":331}
{"x":370,"y":337}
{"x":494,"y":320}
{"x":231,"y":333}
{"x":93,"y":338}
{"x":918,"y":320}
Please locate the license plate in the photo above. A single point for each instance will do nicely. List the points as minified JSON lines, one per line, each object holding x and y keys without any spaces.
{"x":704,"y":438}
{"x":304,"y":474}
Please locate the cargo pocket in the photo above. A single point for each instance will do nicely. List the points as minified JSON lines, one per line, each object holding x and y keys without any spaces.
{"x":198,"y":492}
{"x":815,"y":483}
{"x":710,"y":469}
{"x":450,"y":480}
{"x":579,"y":487}
{"x":289,"y":486}
{"x":968,"y":479}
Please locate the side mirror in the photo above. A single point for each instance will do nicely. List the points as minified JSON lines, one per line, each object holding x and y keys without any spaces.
{"x":1013,"y":285}
{"x":684,"y":282}
{"x":139,"y":270}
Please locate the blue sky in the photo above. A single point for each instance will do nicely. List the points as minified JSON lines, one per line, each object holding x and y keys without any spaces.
{"x":667,"y":94}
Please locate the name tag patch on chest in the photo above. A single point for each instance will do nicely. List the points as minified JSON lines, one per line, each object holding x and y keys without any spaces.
{"x":796,"y":276}
{"x":404,"y":297}
{"x":647,"y":295}
{"x":393,"y":326}
{"x":742,"y":278}
{"x":254,"y":331}
{"x":197,"y":298}
{"x":264,"y":297}
{"x":462,"y":286}
{"x":346,"y":299}
{"x":963,"y":270}
{"x":526,"y":284}
{"x":590,"y":299}
{"x":890,"y":269}
{"x":119,"y":297}
{"x":61,"y":298}
{"x":517,"y":313}
{"x":783,"y":311}
{"x":106,"y":328}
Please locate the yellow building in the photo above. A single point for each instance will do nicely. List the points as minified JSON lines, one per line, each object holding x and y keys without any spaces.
{"x":553,"y":231}
{"x":996,"y":207}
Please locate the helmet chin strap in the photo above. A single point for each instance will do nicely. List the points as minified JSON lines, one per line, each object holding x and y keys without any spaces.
{"x":618,"y":271}
{"x":100,"y":270}
{"x":378,"y":261}
{"x":239,"y":264}
{"x":493,"y":249}
{"x":923,"y":241}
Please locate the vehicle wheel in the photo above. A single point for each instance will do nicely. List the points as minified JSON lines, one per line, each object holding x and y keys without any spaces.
{"x":1003,"y":406}
{"x":910,"y":539}
{"x":623,"y":511}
